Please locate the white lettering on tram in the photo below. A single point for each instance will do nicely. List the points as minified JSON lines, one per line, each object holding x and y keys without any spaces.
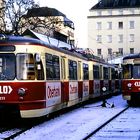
{"x":5,"y":89}
{"x":137,"y":84}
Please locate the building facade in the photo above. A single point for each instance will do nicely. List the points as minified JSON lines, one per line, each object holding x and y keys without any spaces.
{"x":114,"y":28}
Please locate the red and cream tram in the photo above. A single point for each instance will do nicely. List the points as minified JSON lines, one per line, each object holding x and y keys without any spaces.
{"x":131,"y":78}
{"x":37,"y":79}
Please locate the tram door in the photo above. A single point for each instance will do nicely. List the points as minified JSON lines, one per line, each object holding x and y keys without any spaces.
{"x":64,"y":81}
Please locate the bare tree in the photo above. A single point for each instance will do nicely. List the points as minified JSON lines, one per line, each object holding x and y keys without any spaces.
{"x":44,"y":25}
{"x":13,"y":11}
{"x":18,"y":15}
{"x":43,"y":20}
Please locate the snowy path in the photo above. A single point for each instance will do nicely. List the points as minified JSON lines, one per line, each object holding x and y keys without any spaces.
{"x":76,"y":124}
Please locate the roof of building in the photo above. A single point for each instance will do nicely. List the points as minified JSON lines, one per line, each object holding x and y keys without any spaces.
{"x":43,"y":11}
{"x":110,"y":4}
{"x":47,"y":39}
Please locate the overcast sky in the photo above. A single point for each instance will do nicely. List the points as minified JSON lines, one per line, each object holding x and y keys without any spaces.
{"x":75,"y":10}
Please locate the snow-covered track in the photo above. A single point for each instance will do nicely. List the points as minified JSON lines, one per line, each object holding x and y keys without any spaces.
{"x":78,"y":123}
{"x":125,"y":126}
{"x":12,"y":133}
{"x":13,"y":128}
{"x":104,"y":124}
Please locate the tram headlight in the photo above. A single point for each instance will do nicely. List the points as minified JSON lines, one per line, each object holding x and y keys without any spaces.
{"x":129,"y":85}
{"x":104,"y":89}
{"x":21,"y":91}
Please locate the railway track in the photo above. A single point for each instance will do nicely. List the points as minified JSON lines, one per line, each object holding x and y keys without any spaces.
{"x":12,"y":133}
{"x":104,"y":124}
{"x":93,"y":119}
{"x":13,"y":128}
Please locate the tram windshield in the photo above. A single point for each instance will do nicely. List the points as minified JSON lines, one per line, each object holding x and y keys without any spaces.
{"x":7,"y":66}
{"x":25,"y":67}
{"x":127,"y":74}
{"x":136,"y":71}
{"x":131,"y":71}
{"x":29,"y":67}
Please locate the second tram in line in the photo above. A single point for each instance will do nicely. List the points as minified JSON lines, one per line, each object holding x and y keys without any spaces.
{"x":131,"y":78}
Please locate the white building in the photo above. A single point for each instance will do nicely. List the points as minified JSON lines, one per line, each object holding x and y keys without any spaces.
{"x":114,"y":28}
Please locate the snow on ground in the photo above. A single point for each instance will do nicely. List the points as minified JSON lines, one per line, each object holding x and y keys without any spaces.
{"x":76,"y":124}
{"x":125,"y":127}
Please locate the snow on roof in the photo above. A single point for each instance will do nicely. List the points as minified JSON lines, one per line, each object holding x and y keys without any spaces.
{"x":116,"y":60}
{"x":47,"y":39}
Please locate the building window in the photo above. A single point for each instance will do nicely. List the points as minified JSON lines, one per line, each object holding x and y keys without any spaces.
{"x":99,"y":38}
{"x":99,"y":25}
{"x":131,"y":37}
{"x":120,"y":38}
{"x":131,"y":50}
{"x":109,"y":51}
{"x":120,"y":25}
{"x":109,"y":38}
{"x":99,"y":52}
{"x":131,"y":24}
{"x":109,"y":25}
{"x":120,"y":51}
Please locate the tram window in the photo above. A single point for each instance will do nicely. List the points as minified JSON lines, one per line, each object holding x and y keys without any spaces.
{"x":127,"y":71}
{"x":79,"y":70}
{"x":85,"y":72}
{"x":106,"y":73}
{"x":52,"y":67}
{"x":96,"y":72}
{"x":7,"y":48}
{"x":7,"y":66}
{"x":101,"y":71}
{"x":63,"y":68}
{"x":72,"y":70}
{"x":136,"y":71}
{"x":39,"y":67}
{"x":113,"y":73}
{"x":25,"y":67}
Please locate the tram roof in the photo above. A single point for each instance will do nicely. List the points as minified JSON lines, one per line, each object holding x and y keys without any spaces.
{"x":132,"y":56}
{"x":28,"y":41}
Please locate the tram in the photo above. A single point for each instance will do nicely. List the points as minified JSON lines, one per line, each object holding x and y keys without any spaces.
{"x":131,"y":78}
{"x":37,"y":78}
